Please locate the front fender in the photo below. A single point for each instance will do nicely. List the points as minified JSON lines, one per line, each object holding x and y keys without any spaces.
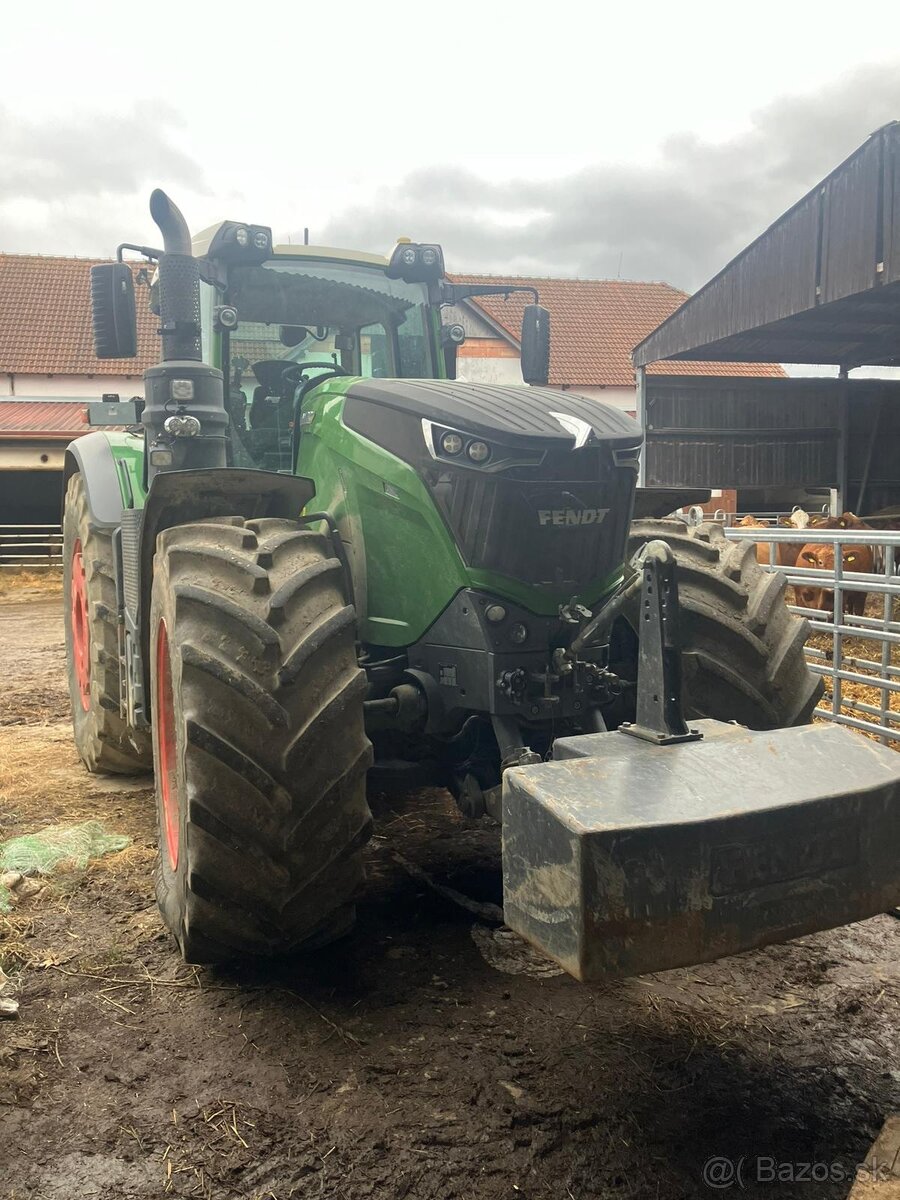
{"x":179,"y":497}
{"x":106,"y":484}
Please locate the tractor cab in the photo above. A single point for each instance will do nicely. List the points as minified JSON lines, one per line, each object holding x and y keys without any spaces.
{"x":280,"y":321}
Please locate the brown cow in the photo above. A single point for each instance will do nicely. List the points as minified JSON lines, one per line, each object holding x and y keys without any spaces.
{"x":847,"y":520}
{"x":813,"y":595}
{"x":785,"y":552}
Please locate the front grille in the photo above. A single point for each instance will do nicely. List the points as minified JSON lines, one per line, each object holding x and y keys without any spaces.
{"x":557,"y":533}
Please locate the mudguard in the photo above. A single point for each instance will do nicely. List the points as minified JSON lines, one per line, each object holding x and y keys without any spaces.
{"x":112,"y":474}
{"x":177,"y":497}
{"x":93,"y":456}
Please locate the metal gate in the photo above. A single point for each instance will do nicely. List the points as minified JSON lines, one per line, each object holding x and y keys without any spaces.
{"x":31,"y":545}
{"x":855,"y":654}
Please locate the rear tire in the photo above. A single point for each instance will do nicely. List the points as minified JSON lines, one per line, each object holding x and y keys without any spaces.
{"x":102,"y":737}
{"x":742,"y":650}
{"x":259,"y":745}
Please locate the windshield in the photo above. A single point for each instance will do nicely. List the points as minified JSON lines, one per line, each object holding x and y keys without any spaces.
{"x":300,"y":321}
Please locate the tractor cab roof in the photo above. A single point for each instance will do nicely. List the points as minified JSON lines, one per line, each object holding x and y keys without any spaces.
{"x":201,"y":242}
{"x":331,"y":252}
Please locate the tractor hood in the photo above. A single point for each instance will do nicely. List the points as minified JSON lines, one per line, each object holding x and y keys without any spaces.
{"x":517,"y":416}
{"x":534,"y":484}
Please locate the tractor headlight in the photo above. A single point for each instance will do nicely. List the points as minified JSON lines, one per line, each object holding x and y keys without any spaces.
{"x":453,"y":335}
{"x":495,"y":613}
{"x":225,"y":317}
{"x":182,"y":426}
{"x":451,"y":443}
{"x":182,"y":389}
{"x":235,"y":242}
{"x":479,"y":452}
{"x":415,"y":263}
{"x":518,"y":633}
{"x":161,"y":456}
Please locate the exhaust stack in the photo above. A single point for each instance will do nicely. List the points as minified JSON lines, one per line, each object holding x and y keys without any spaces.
{"x":179,"y":283}
{"x":171,"y":222}
{"x":184,"y":416}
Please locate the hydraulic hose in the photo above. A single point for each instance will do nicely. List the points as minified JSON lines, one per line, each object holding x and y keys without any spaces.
{"x":601,"y":624}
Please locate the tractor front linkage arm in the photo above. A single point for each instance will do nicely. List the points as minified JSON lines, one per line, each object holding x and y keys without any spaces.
{"x":659,"y":717}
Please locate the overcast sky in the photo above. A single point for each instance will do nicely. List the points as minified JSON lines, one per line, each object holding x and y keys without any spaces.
{"x":642,"y":140}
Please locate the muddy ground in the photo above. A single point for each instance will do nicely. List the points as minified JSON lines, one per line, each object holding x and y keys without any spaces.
{"x":424,"y":1056}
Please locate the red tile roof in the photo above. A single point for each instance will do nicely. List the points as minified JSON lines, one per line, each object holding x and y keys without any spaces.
{"x":43,"y":418}
{"x":45,"y":324}
{"x":45,"y":319}
{"x":596,"y":323}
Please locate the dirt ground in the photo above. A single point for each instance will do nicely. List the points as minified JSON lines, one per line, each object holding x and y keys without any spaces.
{"x":423,"y":1057}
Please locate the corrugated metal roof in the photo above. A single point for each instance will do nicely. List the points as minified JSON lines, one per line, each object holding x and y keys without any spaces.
{"x":45,"y":418}
{"x":595,"y":324}
{"x":821,"y":285}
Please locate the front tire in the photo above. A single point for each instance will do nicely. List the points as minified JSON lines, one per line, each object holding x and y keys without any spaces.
{"x":102,"y":737}
{"x":742,"y":650}
{"x":258,"y":737}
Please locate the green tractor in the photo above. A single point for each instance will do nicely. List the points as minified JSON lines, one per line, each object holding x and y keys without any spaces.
{"x":319,"y":560}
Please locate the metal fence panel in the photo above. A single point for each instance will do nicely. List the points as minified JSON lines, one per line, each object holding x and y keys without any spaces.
{"x":31,"y":545}
{"x":878,"y":668}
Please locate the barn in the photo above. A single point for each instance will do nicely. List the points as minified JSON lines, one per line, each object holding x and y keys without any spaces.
{"x":819,"y":286}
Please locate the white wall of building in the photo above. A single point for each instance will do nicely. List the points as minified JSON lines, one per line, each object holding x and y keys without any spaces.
{"x":69,"y":387}
{"x":472,"y":369}
{"x":16,"y":455}
{"x":488,"y":370}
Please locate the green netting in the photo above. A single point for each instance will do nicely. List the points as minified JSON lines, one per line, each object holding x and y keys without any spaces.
{"x":42,"y":852}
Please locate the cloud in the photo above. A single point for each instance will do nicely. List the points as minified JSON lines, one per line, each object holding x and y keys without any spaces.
{"x":73,"y":184}
{"x":679,"y":217}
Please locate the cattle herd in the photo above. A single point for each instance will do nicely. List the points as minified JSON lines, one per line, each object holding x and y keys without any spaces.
{"x":820,"y":555}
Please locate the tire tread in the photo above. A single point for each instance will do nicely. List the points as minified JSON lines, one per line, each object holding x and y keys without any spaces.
{"x":742,"y":647}
{"x":105,"y":743}
{"x":275,"y":752}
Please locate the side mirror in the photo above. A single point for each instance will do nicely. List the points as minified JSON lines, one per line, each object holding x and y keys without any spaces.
{"x":292,"y":335}
{"x":535,"y":356}
{"x":112,"y":307}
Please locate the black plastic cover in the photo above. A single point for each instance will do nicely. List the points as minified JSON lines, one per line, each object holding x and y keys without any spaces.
{"x":113,"y":311}
{"x":562,"y":534}
{"x":535,"y":356}
{"x":516,"y":414}
{"x":556,"y":516}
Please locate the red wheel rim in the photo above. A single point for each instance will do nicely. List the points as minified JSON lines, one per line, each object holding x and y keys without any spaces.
{"x":164,"y":730}
{"x":81,"y":629}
